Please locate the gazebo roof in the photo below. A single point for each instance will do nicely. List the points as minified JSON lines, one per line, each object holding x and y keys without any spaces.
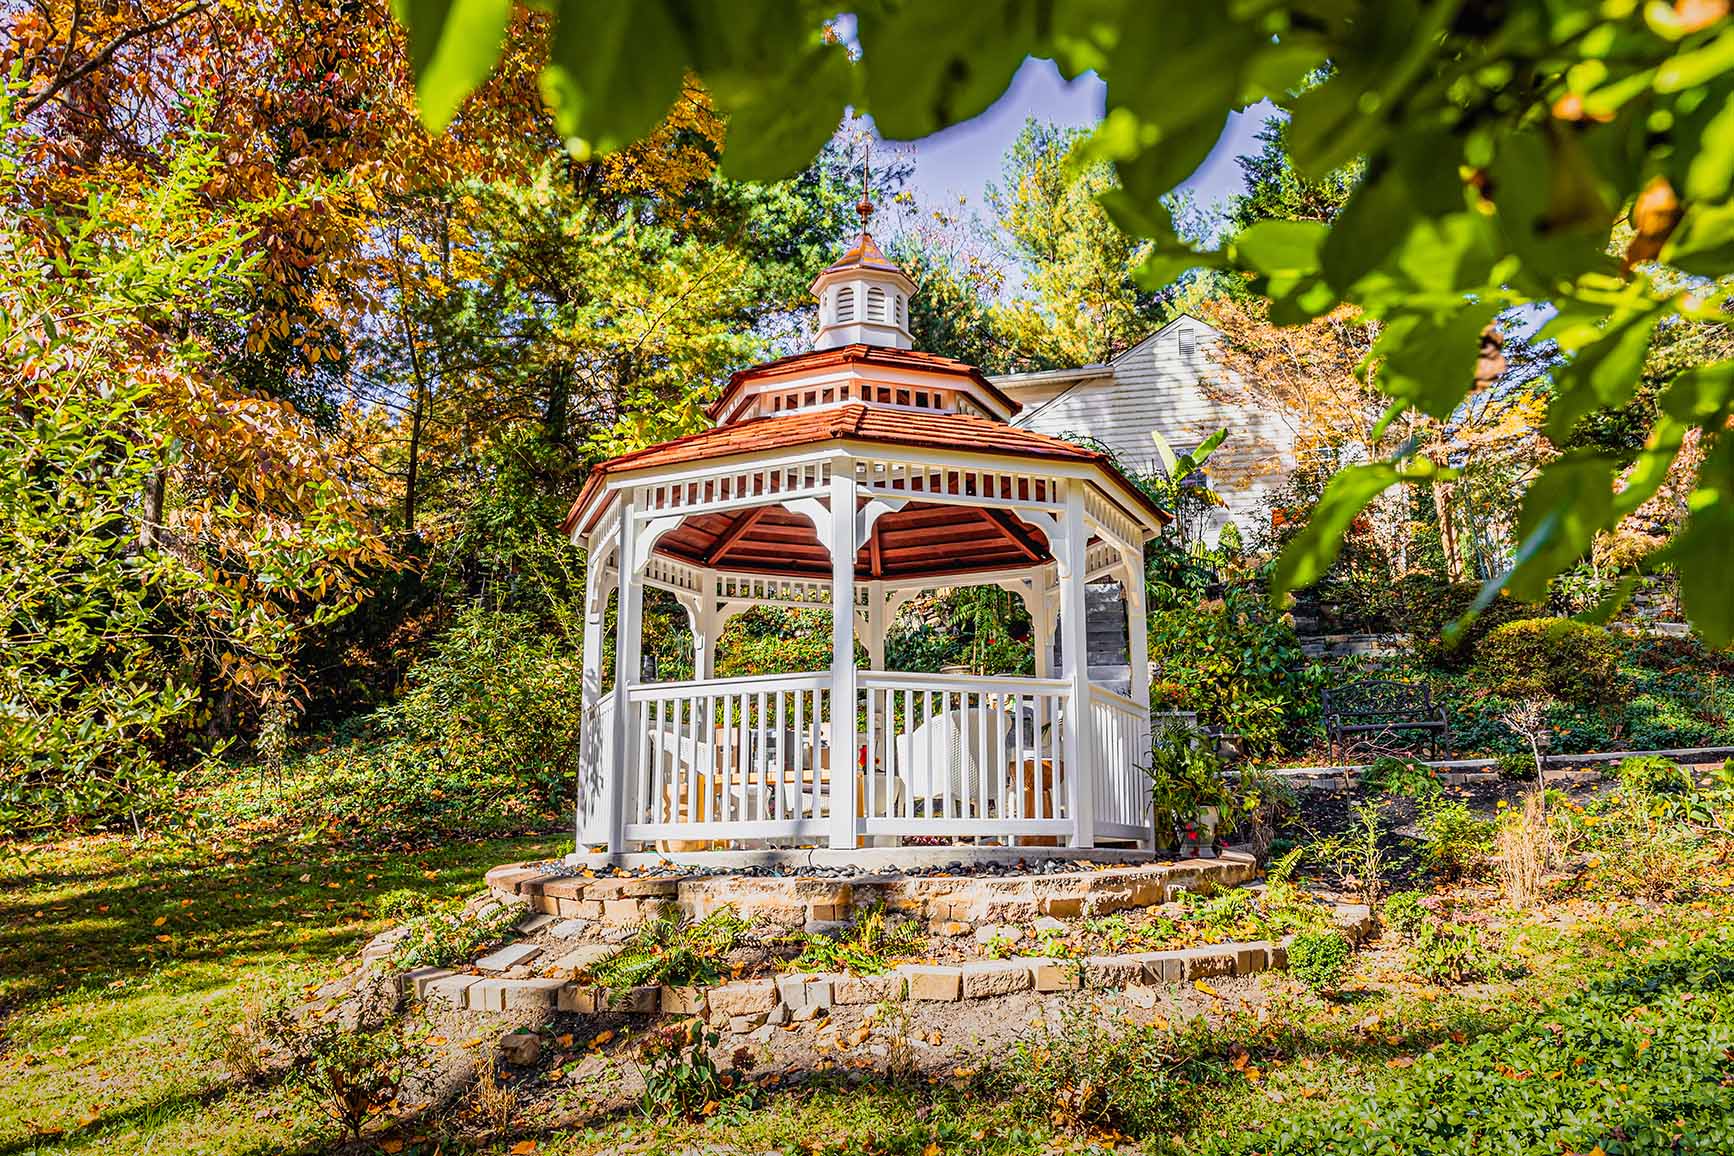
{"x":858,"y":422}
{"x":884,"y":356}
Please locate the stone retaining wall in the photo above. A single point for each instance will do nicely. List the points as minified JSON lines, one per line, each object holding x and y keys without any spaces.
{"x":947,"y":903}
{"x":746,"y":1006}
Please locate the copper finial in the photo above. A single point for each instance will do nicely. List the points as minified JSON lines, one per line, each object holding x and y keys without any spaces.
{"x":865,"y":207}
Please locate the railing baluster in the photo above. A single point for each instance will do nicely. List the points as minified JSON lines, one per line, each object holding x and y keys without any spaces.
{"x":760,"y":762}
{"x":783,"y":761}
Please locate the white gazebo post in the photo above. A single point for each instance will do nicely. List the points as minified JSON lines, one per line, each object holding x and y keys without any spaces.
{"x":841,"y":538}
{"x":1075,"y":659}
{"x":594,"y":771}
{"x":628,"y":637}
{"x":1138,"y":654}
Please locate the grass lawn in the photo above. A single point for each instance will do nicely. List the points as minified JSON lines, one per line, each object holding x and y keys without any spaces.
{"x":121,"y":964}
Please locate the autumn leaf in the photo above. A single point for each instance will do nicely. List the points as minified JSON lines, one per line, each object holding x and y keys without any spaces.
{"x":393,"y":1145}
{"x":1206,"y":989}
{"x":522,"y":1148}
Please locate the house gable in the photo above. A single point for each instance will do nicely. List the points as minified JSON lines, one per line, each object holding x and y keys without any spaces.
{"x":1168,"y":382}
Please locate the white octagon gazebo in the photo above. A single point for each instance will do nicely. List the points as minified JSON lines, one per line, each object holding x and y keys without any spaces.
{"x":853,"y":477}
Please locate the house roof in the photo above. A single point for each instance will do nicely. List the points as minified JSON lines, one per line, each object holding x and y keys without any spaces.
{"x":881,"y":355}
{"x":858,"y":422}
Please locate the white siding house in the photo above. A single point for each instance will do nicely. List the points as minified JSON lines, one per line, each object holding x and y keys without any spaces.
{"x":1167,"y":382}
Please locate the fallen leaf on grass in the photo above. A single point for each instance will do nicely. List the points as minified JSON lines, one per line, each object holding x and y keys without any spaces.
{"x":1206,"y":989}
{"x":522,"y":1148}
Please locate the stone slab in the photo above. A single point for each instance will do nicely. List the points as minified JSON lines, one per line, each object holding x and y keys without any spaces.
{"x":995,"y":977}
{"x":683,"y":1001}
{"x":415,"y":981}
{"x":751,"y":997}
{"x":529,"y":994}
{"x":864,"y":989}
{"x":449,"y":990}
{"x":510,"y":955}
{"x":932,"y":982}
{"x":1055,"y":974}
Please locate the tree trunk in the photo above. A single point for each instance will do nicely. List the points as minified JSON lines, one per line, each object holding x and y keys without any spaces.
{"x":151,"y":523}
{"x":1447,"y":531}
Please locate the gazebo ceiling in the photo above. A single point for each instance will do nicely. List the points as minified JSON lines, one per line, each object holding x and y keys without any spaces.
{"x":922,"y":540}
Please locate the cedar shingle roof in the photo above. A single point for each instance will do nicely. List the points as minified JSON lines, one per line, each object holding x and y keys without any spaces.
{"x":854,"y":421}
{"x":866,"y":354}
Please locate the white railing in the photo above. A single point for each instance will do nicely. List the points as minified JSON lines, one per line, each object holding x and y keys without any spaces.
{"x":962,"y":755}
{"x":714,"y":762}
{"x":728,"y":758}
{"x":1119,"y":747}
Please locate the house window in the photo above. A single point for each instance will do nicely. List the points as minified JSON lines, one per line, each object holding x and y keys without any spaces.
{"x":1188,"y":344}
{"x":845,"y":305}
{"x":876,"y":304}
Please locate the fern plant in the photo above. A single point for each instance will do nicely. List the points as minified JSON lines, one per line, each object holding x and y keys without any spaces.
{"x":673,"y":950}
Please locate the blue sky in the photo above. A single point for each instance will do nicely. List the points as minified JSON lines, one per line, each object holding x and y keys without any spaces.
{"x":962,"y":160}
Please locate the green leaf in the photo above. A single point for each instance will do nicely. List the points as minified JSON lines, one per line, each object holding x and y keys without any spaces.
{"x":1703,"y":394}
{"x":453,"y":46}
{"x":1428,"y":359}
{"x":1305,"y":559}
{"x":1704,"y":242}
{"x":614,"y":69}
{"x":1408,"y":218}
{"x":779,"y":129}
{"x":1710,"y":167}
{"x":930,"y":66}
{"x":1704,"y":550}
{"x":1275,"y":248}
{"x":1690,"y":69}
{"x":1604,"y":373}
{"x":1570,"y":501}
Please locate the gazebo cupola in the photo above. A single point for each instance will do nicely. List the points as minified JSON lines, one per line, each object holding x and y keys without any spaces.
{"x":848,"y":479}
{"x":864,"y":297}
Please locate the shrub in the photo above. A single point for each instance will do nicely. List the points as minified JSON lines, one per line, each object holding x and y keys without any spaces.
{"x":1404,"y":912}
{"x":1356,"y":857}
{"x":349,"y":1074}
{"x":1651,"y":776}
{"x":498,"y":692}
{"x":1457,"y":841}
{"x":1319,"y":959}
{"x":1445,"y":952}
{"x":1429,"y":607}
{"x":1086,"y":1078}
{"x":681,"y":1080}
{"x":1389,"y":775}
{"x":1265,"y":800}
{"x":1550,"y":658}
{"x":1518,"y":766}
{"x":402,"y":903}
{"x":1185,"y":774}
{"x":1238,"y":667}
